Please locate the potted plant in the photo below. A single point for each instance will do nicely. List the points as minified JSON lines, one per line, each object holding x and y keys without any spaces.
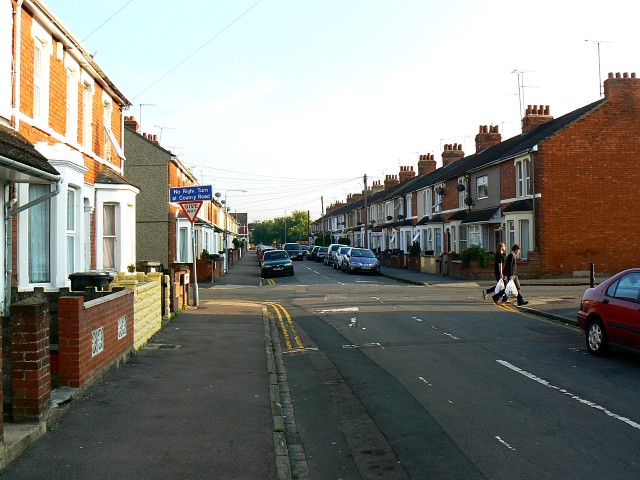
{"x":131,"y":268}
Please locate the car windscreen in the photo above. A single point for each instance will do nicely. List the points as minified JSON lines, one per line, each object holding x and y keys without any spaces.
{"x":275,"y":255}
{"x":292,"y":246}
{"x":362,"y":253}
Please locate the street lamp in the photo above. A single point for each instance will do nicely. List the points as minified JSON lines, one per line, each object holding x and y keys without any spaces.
{"x":226,"y":223}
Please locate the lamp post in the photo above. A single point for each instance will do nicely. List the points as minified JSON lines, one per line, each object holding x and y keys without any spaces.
{"x":226,"y":225}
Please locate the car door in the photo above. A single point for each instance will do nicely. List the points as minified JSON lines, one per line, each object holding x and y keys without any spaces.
{"x":621,"y":306}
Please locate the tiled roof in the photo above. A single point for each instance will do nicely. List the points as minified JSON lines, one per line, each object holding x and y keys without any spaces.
{"x":14,"y":146}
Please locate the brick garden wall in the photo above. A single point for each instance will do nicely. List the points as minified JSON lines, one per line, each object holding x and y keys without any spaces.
{"x":80,"y":324}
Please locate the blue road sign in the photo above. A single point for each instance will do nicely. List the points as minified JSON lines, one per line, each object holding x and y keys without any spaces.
{"x":191,"y":194}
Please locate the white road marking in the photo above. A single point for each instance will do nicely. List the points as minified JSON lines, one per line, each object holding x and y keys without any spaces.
{"x":421,"y":378}
{"x":452,"y":336}
{"x":339,"y":310}
{"x":588,"y":403}
{"x":416,"y":318}
{"x":504,"y":443}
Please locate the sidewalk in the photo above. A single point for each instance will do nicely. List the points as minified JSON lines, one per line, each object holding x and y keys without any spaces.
{"x":555,"y":298}
{"x":199,"y":401}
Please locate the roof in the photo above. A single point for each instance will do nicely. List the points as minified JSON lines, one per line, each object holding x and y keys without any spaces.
{"x":28,"y":161}
{"x":110,"y":177}
{"x":520,"y":206}
{"x":435,"y":219}
{"x":481,"y":216}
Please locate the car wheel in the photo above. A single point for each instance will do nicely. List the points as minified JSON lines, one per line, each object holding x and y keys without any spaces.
{"x":597,"y":341}
{"x":291,"y":274}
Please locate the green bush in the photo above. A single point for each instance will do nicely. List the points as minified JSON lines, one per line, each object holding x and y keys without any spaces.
{"x":414,"y":251}
{"x":344,"y":241}
{"x":477,"y":254}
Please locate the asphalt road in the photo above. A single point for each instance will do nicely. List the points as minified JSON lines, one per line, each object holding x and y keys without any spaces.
{"x":400,"y":381}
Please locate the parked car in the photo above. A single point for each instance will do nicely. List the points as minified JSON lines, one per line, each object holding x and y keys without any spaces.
{"x":306,"y":250}
{"x":313,"y":252}
{"x":361,"y":260}
{"x":276,"y":262}
{"x":321,"y":254}
{"x":609,"y":314}
{"x":332,"y":249}
{"x":294,"y":250}
{"x":262,"y":250}
{"x":337,"y":258}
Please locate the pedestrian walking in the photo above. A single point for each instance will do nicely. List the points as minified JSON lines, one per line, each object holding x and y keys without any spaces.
{"x":499,"y":271}
{"x":510,"y":272}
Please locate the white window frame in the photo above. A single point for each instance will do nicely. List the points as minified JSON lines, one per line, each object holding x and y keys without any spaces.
{"x":474,"y":235}
{"x":427,"y":202}
{"x":72,"y":229}
{"x":482,"y":187}
{"x":88,"y":91}
{"x":43,"y":49}
{"x":73,"y":76}
{"x":437,"y":206}
{"x":107,"y":109}
{"x":464,"y":193}
{"x":523,"y":177}
{"x":409,"y":211}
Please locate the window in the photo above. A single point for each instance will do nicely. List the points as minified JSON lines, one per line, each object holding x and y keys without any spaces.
{"x":71,"y":230}
{"x":475,"y":235}
{"x":522,"y":178}
{"x":106,"y":141}
{"x":39,"y":235}
{"x":454,"y":238}
{"x":438,"y":240}
{"x":511,"y":234}
{"x":482,"y":187}
{"x":427,"y":202}
{"x":71,"y":105}
{"x":437,"y":206}
{"x":463,"y":238}
{"x":462,"y":192}
{"x":38,"y":80}
{"x":109,"y":236}
{"x":524,"y":238}
{"x":429,"y":239}
{"x":409,"y":213}
{"x":87,"y":113}
{"x":627,"y":288}
{"x":183,"y":245}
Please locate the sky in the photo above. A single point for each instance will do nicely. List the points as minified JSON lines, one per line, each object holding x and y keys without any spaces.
{"x":294,"y":101}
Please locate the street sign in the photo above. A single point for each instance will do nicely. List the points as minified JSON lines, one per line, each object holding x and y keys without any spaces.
{"x":191,"y":209}
{"x":193,"y":193}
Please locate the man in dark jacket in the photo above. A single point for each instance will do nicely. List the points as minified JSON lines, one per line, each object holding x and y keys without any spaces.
{"x":510,"y":271}
{"x":499,"y":267}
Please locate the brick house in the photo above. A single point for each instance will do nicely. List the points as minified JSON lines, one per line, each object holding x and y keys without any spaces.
{"x":558,"y":189}
{"x":56,"y":97}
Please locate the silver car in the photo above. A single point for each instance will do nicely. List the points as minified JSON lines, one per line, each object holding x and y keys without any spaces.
{"x":339,"y":256}
{"x":361,"y":260}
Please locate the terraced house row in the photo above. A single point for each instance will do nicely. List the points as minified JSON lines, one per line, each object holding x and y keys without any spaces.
{"x":564,"y":189}
{"x":82,"y":192}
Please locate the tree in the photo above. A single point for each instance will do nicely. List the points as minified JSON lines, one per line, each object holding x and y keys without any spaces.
{"x":292,"y":228}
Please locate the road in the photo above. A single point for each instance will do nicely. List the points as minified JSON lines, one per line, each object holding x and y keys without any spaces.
{"x":396,"y":381}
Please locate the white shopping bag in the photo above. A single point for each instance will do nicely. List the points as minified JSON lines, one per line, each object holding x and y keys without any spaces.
{"x":499,"y":287}
{"x":511,"y":289}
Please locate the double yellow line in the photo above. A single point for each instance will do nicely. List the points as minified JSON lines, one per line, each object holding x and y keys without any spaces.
{"x":287,"y":326}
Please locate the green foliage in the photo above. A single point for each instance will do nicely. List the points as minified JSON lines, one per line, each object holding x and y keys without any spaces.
{"x":236,"y":243}
{"x":476,"y":254}
{"x":205,"y":254}
{"x":344,"y":241}
{"x":415,"y":250}
{"x":292,"y":228}
{"x":323,"y":241}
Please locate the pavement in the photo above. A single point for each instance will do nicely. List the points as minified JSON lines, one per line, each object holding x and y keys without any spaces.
{"x":208,"y":390}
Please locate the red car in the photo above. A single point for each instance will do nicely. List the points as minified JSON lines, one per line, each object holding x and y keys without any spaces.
{"x":610,"y":313}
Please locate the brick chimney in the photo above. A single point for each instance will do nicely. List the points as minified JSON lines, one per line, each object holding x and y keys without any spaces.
{"x":487,"y":137}
{"x":406,"y":173}
{"x":426,"y":164}
{"x":452,"y":153}
{"x":376,"y":187}
{"x":131,"y":123}
{"x":356,"y":197}
{"x":536,"y":115}
{"x":390,"y":181}
{"x":623,"y":87}
{"x":151,"y":137}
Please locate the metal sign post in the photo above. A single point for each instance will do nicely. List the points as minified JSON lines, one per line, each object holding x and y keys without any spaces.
{"x":191,"y":209}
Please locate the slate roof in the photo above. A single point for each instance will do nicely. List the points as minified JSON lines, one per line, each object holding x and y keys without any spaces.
{"x":14,"y":146}
{"x":480,"y":216}
{"x":110,"y":177}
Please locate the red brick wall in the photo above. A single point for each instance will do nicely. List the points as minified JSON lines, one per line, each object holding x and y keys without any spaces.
{"x":588,"y":180}
{"x":77,"y":321}
{"x":31,"y":379}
